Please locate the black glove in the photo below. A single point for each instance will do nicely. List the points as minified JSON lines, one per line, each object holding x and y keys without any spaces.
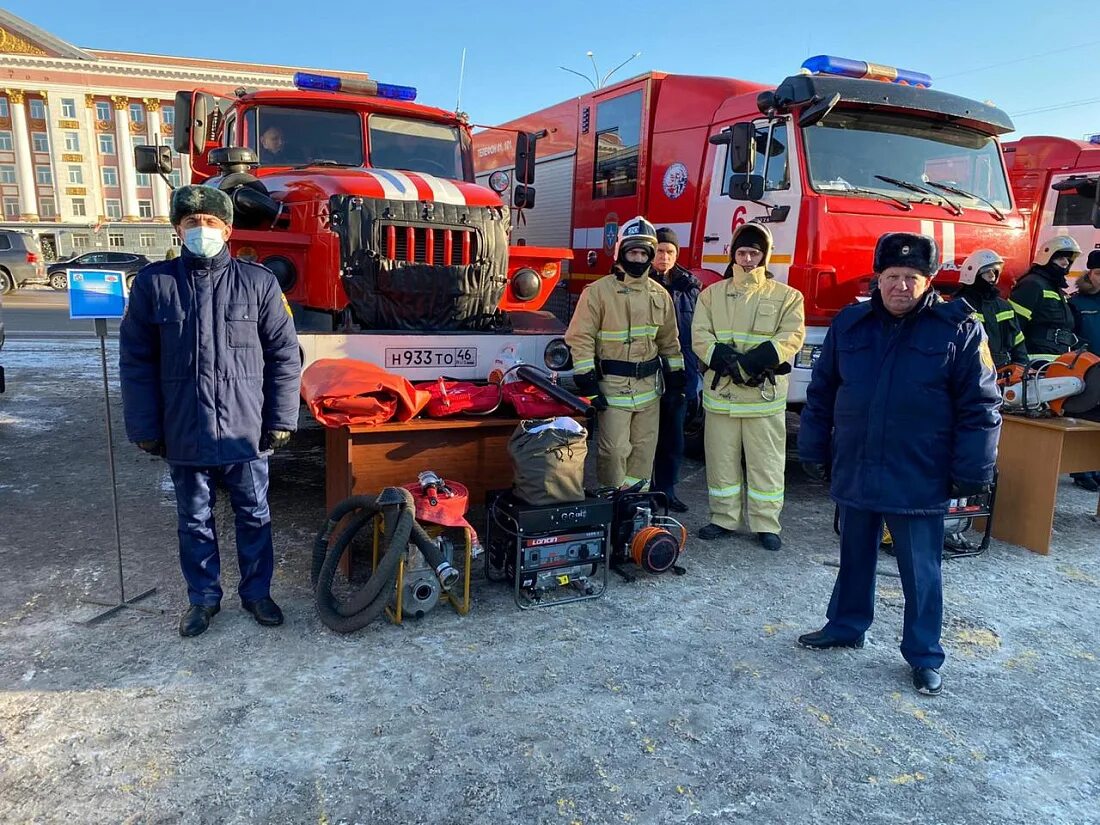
{"x":676,"y":381}
{"x":723,"y":357}
{"x":966,"y":489}
{"x":759,"y":358}
{"x":154,"y":447}
{"x":274,"y":439}
{"x":815,"y":470}
{"x":589,"y":385}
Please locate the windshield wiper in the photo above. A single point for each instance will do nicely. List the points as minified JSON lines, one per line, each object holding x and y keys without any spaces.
{"x":324,"y":162}
{"x":956,"y":190}
{"x":860,"y":190}
{"x":912,"y":187}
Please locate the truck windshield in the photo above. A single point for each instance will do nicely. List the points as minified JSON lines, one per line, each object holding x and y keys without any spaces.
{"x":854,"y":149}
{"x":296,"y":137}
{"x":418,"y":146}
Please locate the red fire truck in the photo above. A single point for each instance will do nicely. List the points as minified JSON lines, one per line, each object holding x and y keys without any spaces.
{"x":831,"y":158}
{"x":1055,"y":181}
{"x":363,"y":203}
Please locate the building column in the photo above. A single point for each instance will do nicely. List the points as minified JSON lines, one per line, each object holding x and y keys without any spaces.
{"x":127,"y":174}
{"x":24,"y":166}
{"x":160,"y":188}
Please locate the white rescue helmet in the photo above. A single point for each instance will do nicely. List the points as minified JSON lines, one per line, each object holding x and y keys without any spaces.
{"x":634,"y":234}
{"x":1058,"y":245}
{"x":977,"y":263}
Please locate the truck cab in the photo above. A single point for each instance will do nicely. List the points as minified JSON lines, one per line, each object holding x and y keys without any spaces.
{"x":1057,"y":183}
{"x":363,"y":204}
{"x":831,"y":158}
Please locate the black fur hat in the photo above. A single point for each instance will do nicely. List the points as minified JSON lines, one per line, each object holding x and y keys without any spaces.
{"x":200,"y":200}
{"x":907,"y":249}
{"x":667,"y":235}
{"x":1093,"y":261}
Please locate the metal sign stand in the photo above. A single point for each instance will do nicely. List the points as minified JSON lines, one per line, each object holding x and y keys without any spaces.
{"x":122,"y":602}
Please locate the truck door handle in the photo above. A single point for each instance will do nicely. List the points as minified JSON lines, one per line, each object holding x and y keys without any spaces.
{"x":710,"y":238}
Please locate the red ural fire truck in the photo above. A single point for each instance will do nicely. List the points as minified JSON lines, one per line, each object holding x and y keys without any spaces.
{"x":363,"y":203}
{"x":1055,"y":181}
{"x":831,"y":158}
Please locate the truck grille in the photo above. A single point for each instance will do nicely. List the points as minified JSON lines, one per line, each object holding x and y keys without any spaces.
{"x":429,"y":245}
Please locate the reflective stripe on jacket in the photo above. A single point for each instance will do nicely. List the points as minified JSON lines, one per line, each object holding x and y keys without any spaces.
{"x":746,"y":310}
{"x":624,"y":319}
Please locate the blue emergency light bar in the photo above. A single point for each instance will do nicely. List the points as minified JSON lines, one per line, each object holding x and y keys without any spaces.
{"x":844,"y":67}
{"x":371,"y":88}
{"x":1093,"y":139}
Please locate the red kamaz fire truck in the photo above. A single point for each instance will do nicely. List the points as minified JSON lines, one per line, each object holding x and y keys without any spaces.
{"x":363,"y":203}
{"x":1055,"y":181}
{"x":831,"y":158}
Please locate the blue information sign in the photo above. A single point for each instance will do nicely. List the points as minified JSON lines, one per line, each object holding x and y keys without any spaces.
{"x":96,"y":293}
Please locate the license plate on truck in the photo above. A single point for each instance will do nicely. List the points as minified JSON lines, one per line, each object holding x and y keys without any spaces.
{"x":398,"y":357}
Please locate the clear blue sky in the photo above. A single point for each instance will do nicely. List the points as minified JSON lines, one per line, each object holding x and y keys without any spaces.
{"x":1022,"y":56}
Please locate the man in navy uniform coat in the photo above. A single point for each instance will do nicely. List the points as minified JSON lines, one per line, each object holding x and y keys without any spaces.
{"x":903,"y":412}
{"x":209,"y":364}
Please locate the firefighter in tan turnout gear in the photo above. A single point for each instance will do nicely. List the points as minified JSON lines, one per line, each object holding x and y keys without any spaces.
{"x":626,"y":352}
{"x":746,"y":329}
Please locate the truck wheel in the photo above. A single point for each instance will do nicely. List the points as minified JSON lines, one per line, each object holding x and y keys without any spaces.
{"x":6,"y":282}
{"x":59,"y":281}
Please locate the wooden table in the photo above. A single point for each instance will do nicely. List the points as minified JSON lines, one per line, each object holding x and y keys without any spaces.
{"x":474,"y":451}
{"x":1033,"y":453}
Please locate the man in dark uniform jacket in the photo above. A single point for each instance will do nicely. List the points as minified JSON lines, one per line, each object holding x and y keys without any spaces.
{"x":903,"y":409}
{"x":209,"y":364}
{"x":676,"y":407}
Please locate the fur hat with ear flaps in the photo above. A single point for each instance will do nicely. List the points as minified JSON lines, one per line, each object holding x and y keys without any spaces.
{"x":200,"y":200}
{"x":907,"y":249}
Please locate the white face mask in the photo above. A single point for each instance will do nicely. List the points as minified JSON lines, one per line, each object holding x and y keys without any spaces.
{"x":204,"y":241}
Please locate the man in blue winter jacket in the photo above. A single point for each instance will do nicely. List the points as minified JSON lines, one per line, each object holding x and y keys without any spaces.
{"x":210,"y":369}
{"x":676,"y":406}
{"x":903,"y":409}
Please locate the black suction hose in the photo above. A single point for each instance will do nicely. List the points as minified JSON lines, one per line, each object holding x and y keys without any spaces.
{"x":395,"y":505}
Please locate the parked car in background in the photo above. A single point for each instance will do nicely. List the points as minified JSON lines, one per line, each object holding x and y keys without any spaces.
{"x":20,"y":260}
{"x":126,"y":262}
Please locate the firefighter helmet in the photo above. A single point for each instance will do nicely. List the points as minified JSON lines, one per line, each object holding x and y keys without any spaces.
{"x":1058,"y":245}
{"x":637,"y":233}
{"x":977,"y":263}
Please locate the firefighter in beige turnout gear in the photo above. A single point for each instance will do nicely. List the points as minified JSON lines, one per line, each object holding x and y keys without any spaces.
{"x":746,"y":328}
{"x":623,"y":328}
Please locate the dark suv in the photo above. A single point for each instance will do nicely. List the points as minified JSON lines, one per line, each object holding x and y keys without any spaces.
{"x":20,"y":260}
{"x":127,"y":262}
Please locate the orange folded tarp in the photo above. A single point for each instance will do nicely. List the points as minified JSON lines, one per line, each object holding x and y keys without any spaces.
{"x":342,"y":391}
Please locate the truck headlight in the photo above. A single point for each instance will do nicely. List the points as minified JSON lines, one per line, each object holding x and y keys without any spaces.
{"x":807,"y":356}
{"x":557,"y":355}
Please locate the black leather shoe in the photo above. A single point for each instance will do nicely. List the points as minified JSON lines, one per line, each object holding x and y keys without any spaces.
{"x":264,"y":611}
{"x":927,"y":680}
{"x":714,"y":531}
{"x":676,"y":506}
{"x":197,"y":619}
{"x":820,"y":640}
{"x":770,"y":541}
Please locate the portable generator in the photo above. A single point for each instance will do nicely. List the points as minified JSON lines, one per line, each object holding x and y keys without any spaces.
{"x":551,"y":553}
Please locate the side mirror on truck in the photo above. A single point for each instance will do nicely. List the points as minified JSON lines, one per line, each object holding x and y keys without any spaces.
{"x":525,"y":157}
{"x":153,"y":160}
{"x":197,"y":116}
